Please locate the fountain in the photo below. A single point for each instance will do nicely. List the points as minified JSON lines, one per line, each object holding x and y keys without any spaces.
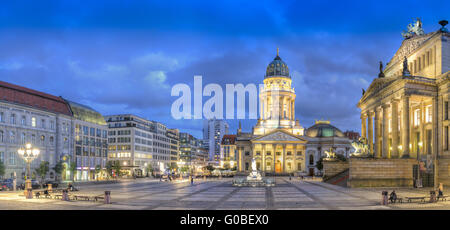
{"x":254,"y":179}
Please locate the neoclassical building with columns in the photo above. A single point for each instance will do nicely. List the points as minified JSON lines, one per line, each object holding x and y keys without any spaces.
{"x":405,"y":112}
{"x":278,"y":143}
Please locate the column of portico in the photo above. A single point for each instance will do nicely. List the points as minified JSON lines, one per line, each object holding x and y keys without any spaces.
{"x":385,"y":153}
{"x":363,"y":126}
{"x":435,"y":141}
{"x":293,"y":110}
{"x":394,"y":128}
{"x":263,"y":167}
{"x":370,"y":133}
{"x":294,"y":155}
{"x":405,"y":126}
{"x":377,"y":147}
{"x":434,"y":120}
{"x":284,"y":159}
{"x":274,"y":157}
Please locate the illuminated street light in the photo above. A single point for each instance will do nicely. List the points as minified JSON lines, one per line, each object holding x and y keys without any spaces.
{"x":28,"y":154}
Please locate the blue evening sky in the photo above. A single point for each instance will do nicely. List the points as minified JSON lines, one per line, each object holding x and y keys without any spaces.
{"x":125,"y":56}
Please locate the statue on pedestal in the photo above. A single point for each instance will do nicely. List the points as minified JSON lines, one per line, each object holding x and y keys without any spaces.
{"x":405,"y":72}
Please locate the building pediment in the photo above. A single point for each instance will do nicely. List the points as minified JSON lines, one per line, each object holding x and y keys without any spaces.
{"x":279,"y":136}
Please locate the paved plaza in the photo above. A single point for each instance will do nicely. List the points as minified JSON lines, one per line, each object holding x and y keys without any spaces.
{"x":219,"y":194}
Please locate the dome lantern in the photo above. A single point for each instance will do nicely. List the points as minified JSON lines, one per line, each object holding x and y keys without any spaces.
{"x":277,"y":68}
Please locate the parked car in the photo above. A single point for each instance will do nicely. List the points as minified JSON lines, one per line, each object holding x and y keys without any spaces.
{"x":6,"y":185}
{"x":35,"y":184}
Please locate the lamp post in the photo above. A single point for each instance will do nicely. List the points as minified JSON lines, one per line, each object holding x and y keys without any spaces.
{"x":28,"y":154}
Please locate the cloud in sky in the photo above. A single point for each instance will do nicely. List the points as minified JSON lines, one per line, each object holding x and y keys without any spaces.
{"x":124,"y":56}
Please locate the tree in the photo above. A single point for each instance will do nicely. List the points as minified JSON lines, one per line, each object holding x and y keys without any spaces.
{"x":173,"y":166}
{"x":2,"y":169}
{"x":109,"y":168}
{"x":98,"y":168}
{"x":210,"y":168}
{"x":319,"y":164}
{"x":149,"y":169}
{"x":59,"y":168}
{"x":42,"y":170}
{"x":72,"y":169}
{"x":117,"y":168}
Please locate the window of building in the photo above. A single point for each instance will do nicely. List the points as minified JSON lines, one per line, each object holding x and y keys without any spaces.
{"x":268,"y":153}
{"x":2,"y":115}
{"x":51,"y":140}
{"x":33,"y":139}
{"x":417,"y":117}
{"x":299,"y":166}
{"x":12,"y":158}
{"x":12,"y":137}
{"x":311,"y":159}
{"x":299,"y":153}
{"x":446,"y":138}
{"x":446,"y":110}
{"x":428,"y":114}
{"x":13,"y":119}
{"x":1,"y":135}
{"x":42,"y":140}
{"x":43,"y":123}
{"x":258,"y":153}
{"x":33,"y":122}
{"x":52,"y":125}
{"x":289,"y":153}
{"x":22,"y":138}
{"x":2,"y":157}
{"x":23,"y":121}
{"x":247,"y":153}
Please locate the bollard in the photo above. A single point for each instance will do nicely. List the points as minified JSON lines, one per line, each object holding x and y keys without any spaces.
{"x":107,"y":197}
{"x":49,"y":187}
{"x":384,"y":197}
{"x":29,"y":193}
{"x":432,"y":196}
{"x":65,"y":196}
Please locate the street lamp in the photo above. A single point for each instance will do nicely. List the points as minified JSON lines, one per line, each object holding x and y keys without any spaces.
{"x":28,"y":154}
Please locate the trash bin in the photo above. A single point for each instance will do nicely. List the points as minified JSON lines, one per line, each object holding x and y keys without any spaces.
{"x":432,"y":196}
{"x":384,"y":197}
{"x":65,"y":195}
{"x":107,"y":197}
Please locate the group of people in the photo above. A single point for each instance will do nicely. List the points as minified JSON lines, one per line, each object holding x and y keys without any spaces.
{"x":393,"y":195}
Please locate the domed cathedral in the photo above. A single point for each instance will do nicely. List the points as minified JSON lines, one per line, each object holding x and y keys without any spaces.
{"x":404,"y":111}
{"x":277,"y":141}
{"x":277,"y":101}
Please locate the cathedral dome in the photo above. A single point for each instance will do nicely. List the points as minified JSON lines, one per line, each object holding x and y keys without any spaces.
{"x":277,"y":68}
{"x":323,"y":129}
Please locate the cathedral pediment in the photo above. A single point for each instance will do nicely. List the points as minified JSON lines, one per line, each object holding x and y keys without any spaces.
{"x":278,"y":135}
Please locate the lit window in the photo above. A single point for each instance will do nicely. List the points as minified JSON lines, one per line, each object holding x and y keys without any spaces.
{"x":428,"y":113}
{"x":33,"y":121}
{"x":417,"y":117}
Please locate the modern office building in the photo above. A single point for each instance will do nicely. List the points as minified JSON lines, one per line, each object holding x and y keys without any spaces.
{"x":137,"y":142}
{"x":192,"y":153}
{"x":90,"y":141}
{"x":213,"y":131}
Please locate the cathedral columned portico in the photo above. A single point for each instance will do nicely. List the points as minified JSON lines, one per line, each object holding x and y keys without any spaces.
{"x":278,"y":143}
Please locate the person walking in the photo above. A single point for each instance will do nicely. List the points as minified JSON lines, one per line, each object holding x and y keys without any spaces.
{"x":192,"y":180}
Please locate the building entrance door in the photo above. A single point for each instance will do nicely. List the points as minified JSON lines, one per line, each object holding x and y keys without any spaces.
{"x":311,"y":171}
{"x":278,"y":167}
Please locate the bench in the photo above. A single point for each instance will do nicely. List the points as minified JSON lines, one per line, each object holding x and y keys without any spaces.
{"x":99,"y":197}
{"x":421,"y":198}
{"x":398,"y":200}
{"x":82,"y":197}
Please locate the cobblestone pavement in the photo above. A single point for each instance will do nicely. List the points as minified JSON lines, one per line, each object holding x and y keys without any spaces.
{"x":219,"y":194}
